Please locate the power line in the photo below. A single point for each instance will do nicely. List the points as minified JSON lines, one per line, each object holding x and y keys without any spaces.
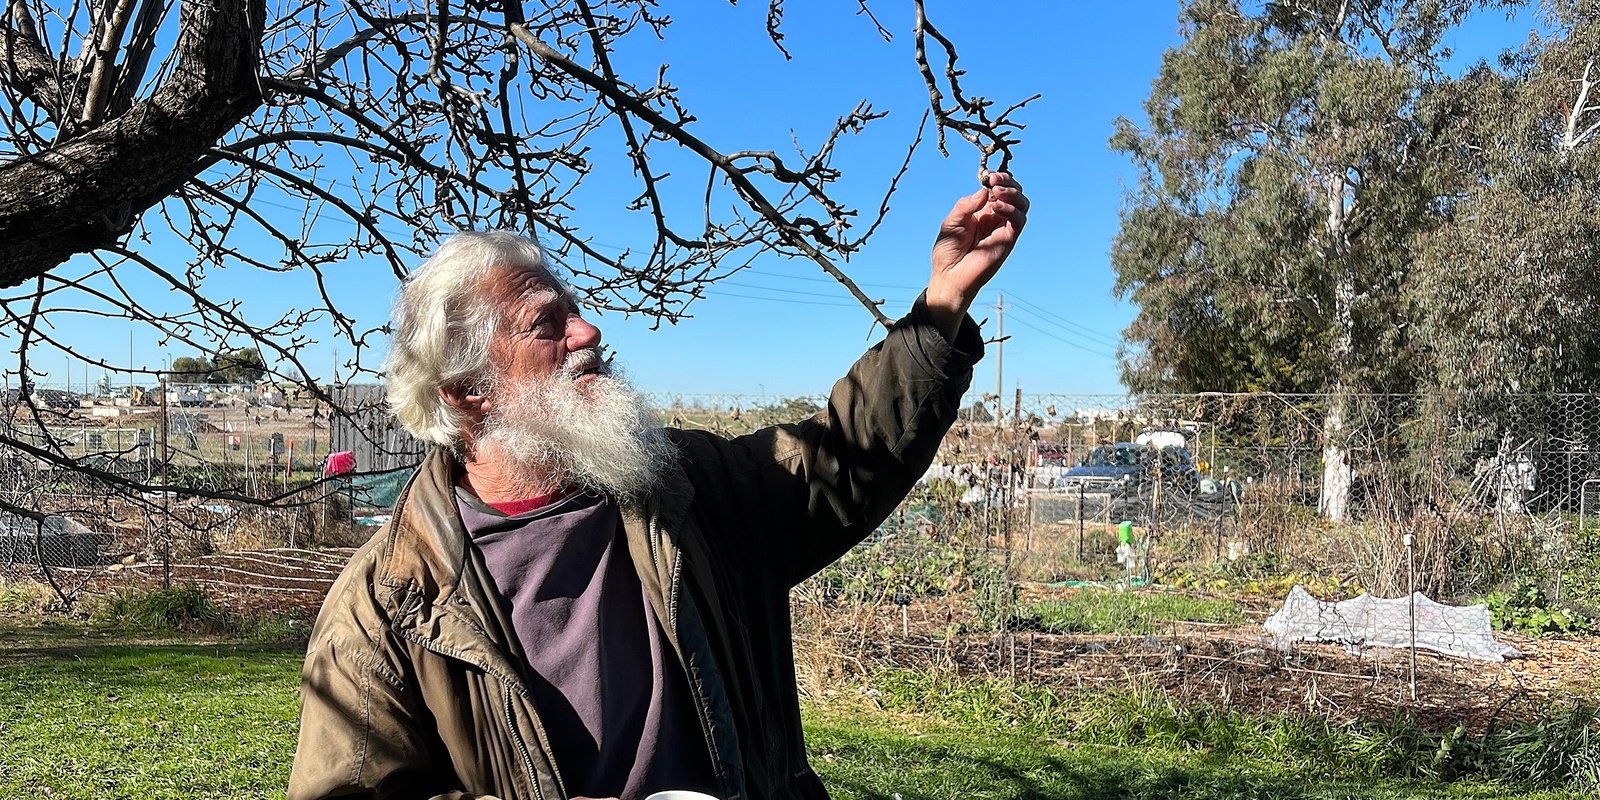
{"x":1062,"y":322}
{"x":1092,"y":344}
{"x":1064,"y":341}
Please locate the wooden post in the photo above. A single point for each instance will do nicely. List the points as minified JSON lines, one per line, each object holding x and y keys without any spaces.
{"x":166,"y":495}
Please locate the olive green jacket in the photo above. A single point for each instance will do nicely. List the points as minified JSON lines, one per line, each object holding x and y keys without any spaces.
{"x":414,"y":684}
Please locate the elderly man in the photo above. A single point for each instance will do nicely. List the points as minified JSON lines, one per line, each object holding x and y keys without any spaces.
{"x":569,"y":601}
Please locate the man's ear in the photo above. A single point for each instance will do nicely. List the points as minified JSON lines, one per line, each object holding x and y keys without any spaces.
{"x":465,"y":400}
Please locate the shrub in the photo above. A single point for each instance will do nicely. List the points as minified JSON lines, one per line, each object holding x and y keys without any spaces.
{"x":1525,"y":610}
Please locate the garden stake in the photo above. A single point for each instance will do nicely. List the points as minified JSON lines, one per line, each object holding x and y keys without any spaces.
{"x":1411,"y":600}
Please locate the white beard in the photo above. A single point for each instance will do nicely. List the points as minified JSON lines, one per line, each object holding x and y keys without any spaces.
{"x":602,"y":436}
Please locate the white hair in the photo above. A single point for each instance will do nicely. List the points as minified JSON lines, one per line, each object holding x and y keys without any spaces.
{"x":443,"y":324}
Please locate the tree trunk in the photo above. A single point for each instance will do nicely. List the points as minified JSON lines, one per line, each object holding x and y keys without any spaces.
{"x":1337,"y":472}
{"x":88,"y":192}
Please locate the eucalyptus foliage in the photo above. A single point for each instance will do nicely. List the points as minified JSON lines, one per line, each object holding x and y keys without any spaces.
{"x":1292,"y":153}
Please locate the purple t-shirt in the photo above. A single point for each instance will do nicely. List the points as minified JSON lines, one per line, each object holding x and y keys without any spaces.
{"x":608,"y":686}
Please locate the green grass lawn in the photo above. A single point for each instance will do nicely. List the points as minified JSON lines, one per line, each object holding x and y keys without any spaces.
{"x":95,"y":714}
{"x":878,"y":758}
{"x":98,"y":719}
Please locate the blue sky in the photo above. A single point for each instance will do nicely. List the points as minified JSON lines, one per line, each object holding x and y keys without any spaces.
{"x":784,"y":328}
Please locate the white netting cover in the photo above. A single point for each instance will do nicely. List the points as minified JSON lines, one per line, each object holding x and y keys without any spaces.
{"x":1374,"y":622}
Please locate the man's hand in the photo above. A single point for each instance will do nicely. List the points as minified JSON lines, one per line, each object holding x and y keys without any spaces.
{"x":973,"y":242}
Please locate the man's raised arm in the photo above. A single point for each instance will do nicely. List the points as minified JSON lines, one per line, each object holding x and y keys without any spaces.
{"x":831,"y":479}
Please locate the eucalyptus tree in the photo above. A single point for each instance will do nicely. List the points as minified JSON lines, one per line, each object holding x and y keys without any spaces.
{"x":1291,"y":155}
{"x":1508,"y":291}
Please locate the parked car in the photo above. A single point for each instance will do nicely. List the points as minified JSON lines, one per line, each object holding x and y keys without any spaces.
{"x":1127,"y":468}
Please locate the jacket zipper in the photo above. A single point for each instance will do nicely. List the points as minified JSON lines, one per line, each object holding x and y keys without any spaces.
{"x":701,"y":706}
{"x":522,"y":747}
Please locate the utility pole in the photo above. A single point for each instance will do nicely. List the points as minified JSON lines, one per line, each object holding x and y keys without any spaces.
{"x":999,"y":357}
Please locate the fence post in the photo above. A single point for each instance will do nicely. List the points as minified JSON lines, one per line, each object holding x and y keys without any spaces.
{"x":1411,"y":603}
{"x":1080,"y":522}
{"x":1220,"y":556}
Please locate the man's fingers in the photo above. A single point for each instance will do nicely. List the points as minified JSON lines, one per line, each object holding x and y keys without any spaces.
{"x":1000,"y":214}
{"x":1009,"y":194}
{"x":965,"y":208}
{"x":996,"y":180}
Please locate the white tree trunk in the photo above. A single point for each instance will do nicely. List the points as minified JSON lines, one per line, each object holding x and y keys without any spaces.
{"x":1337,"y":474}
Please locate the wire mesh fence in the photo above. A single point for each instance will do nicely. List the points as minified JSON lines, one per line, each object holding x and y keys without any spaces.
{"x":1081,"y":526}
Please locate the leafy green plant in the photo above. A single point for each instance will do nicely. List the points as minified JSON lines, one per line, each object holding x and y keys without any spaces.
{"x":877,"y":569}
{"x":918,"y":551}
{"x":181,"y":608}
{"x":1582,"y":576}
{"x":994,"y":596}
{"x":1525,"y":610}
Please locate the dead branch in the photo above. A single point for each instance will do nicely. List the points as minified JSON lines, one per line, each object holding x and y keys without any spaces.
{"x":969,"y":118}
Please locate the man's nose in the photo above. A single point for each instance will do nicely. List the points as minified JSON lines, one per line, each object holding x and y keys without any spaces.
{"x":581,"y":333}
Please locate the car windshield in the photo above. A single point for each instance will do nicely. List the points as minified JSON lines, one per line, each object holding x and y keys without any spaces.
{"x":1114,"y":457}
{"x":1107,"y":456}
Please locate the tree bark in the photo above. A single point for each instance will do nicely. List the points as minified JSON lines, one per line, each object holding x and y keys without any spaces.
{"x":88,"y":191}
{"x":1337,"y":473}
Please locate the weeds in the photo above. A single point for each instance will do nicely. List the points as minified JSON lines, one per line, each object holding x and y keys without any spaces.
{"x":182,"y":608}
{"x":1125,"y":613}
{"x":1561,"y":749}
{"x":24,"y":597}
{"x":187,"y":609}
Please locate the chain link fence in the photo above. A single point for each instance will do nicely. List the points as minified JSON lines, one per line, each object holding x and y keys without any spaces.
{"x":1055,"y":530}
{"x":1145,"y":541}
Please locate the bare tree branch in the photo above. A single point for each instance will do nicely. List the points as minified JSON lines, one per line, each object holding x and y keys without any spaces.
{"x":293,"y":140}
{"x":970,"y":117}
{"x":791,"y":232}
{"x":76,"y":196}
